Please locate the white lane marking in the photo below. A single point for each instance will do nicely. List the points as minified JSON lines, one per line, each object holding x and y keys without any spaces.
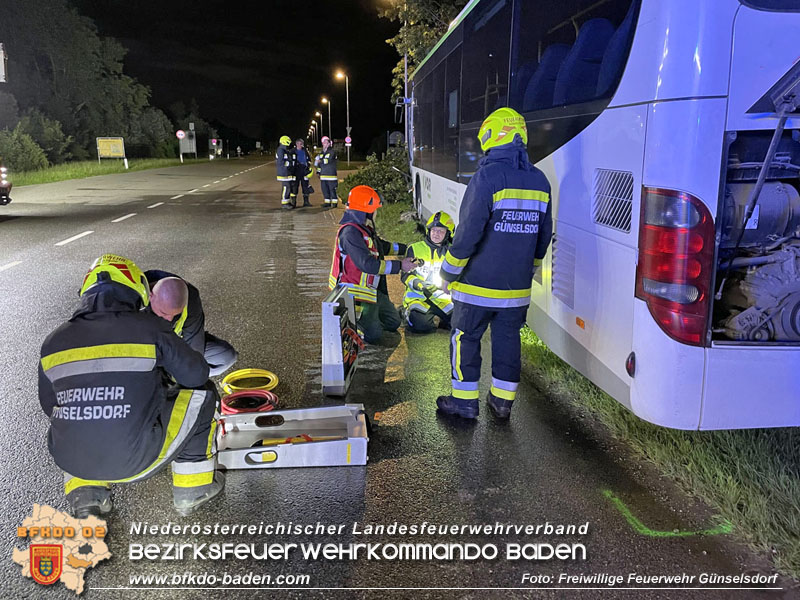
{"x":192,"y":191}
{"x":176,"y":197}
{"x":73,"y":238}
{"x":123,"y":218}
{"x":217,"y":181}
{"x":206,"y":185}
{"x":157,"y":204}
{"x":11,"y":264}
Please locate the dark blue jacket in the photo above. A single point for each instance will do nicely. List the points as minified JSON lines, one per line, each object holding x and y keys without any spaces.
{"x":504,"y":229}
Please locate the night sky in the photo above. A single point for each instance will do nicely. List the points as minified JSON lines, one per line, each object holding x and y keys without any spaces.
{"x":259,"y":65}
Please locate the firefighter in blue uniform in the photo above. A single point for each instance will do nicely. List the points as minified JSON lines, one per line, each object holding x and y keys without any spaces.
{"x":303,"y":170}
{"x":504,"y":230}
{"x":424,"y":301}
{"x":285,"y":165}
{"x":112,"y":418}
{"x":328,"y":176}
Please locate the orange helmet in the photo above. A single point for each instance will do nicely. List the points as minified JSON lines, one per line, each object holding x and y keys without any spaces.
{"x":364,"y":198}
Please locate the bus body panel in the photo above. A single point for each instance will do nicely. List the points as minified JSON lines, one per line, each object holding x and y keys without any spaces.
{"x":764,"y":49}
{"x":751,"y":387}
{"x":684,"y":147}
{"x":437,"y":193}
{"x":681,"y":49}
{"x":667,"y":388}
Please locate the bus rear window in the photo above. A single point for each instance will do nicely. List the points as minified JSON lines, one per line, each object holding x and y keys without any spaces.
{"x":776,"y":5}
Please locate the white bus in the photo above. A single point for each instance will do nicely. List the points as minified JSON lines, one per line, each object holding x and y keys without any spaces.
{"x":653,"y":120}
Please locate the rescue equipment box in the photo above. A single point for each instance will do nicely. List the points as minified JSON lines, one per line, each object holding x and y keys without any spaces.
{"x":328,"y":436}
{"x":340,"y":342}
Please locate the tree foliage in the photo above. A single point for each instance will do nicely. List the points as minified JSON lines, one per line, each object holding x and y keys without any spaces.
{"x":48,"y":134}
{"x":61,"y":66}
{"x":423,"y":22}
{"x":382,"y":176}
{"x":19,"y":152}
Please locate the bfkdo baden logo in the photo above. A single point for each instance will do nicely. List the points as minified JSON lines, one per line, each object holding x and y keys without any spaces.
{"x":62,"y":548}
{"x":46,"y":562}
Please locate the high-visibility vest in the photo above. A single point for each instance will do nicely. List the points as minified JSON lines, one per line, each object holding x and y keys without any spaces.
{"x":362,"y":286}
{"x":426,"y":273}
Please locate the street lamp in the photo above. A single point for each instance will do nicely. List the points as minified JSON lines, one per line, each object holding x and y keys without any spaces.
{"x":342,"y":75}
{"x":330,"y":129}
{"x":314,"y":128}
{"x":321,"y":128}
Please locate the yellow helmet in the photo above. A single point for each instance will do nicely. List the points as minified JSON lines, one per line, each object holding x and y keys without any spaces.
{"x":286,"y":140}
{"x":441,"y":219}
{"x":119,"y":270}
{"x":501,"y":127}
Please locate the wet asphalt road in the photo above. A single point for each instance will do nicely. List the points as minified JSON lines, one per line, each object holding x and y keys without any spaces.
{"x":262,"y":274}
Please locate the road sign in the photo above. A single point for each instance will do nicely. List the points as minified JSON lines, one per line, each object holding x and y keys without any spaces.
{"x":348,"y":131}
{"x":348,"y":145}
{"x":214,"y":142}
{"x":191,"y":126}
{"x":110,"y":147}
{"x":180,"y":134}
{"x":348,"y":140}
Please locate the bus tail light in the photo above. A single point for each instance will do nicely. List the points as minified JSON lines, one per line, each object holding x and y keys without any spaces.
{"x":676,"y":253}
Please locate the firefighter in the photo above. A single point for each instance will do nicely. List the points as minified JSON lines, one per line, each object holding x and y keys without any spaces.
{"x":424,"y":301}
{"x":503,"y":234}
{"x":179,"y":302}
{"x":285,"y":164}
{"x":358,"y":264}
{"x":101,"y":385}
{"x":303,"y":170}
{"x":326,"y":169}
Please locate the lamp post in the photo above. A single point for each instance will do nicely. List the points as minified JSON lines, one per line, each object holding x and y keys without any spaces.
{"x":330,"y":130}
{"x":321,"y":128}
{"x":342,"y":75}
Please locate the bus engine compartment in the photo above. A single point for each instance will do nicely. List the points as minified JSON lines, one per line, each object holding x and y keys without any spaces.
{"x":758,"y":279}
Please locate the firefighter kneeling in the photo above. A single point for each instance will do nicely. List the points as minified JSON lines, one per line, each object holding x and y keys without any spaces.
{"x":112,"y":418}
{"x":424,"y":300}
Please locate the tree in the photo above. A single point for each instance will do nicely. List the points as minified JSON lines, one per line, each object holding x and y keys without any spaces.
{"x":423,"y":23}
{"x":47,"y":133}
{"x":9,"y":111}
{"x":19,"y":152}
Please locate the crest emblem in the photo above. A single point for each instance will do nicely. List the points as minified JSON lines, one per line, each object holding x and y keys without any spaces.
{"x":46,"y":562}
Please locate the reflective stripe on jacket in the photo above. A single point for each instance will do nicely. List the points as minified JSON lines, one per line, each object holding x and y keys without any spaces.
{"x":426,"y":274}
{"x":326,"y":165}
{"x":504,"y":229}
{"x":285,"y":161}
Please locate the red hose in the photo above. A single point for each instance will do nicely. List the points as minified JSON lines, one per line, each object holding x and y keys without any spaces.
{"x":247,"y":401}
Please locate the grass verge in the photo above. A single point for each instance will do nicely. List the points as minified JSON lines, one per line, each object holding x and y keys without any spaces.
{"x":751,"y":477}
{"x":90,"y":168}
{"x":391,"y":228}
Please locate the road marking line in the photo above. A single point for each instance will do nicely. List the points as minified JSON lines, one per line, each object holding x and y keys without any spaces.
{"x":11,"y":264}
{"x":73,"y":238}
{"x":176,"y":197}
{"x":192,"y":191}
{"x":217,"y":181}
{"x":157,"y":204}
{"x":723,"y":526}
{"x":123,"y":218}
{"x":206,"y":185}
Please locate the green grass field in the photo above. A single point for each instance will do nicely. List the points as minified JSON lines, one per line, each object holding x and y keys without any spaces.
{"x":751,"y":477}
{"x":90,"y":168}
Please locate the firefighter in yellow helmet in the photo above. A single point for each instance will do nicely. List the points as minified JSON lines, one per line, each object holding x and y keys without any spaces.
{"x":424,"y":302}
{"x":112,"y":418}
{"x":285,"y":167}
{"x":504,"y":230}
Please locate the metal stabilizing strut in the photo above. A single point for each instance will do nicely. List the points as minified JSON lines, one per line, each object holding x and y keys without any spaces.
{"x":341,"y":343}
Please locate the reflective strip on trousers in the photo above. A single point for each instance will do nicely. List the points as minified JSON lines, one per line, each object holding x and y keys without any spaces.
{"x":181,"y":422}
{"x":506,"y":390}
{"x":455,"y":340}
{"x":193,"y":474}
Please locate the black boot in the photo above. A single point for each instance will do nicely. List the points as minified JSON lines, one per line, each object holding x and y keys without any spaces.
{"x":90,"y":500}
{"x":306,"y":202}
{"x":467,"y":409}
{"x":500,"y":408}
